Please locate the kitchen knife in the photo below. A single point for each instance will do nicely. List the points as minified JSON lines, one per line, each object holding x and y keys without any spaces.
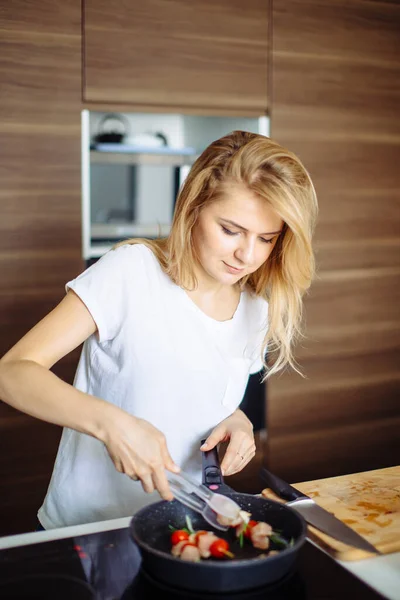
{"x":314,"y":514}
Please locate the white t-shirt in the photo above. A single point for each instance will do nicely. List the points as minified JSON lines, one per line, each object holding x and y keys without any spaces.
{"x":159,"y":357}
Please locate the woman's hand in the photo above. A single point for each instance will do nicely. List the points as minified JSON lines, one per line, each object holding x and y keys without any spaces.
{"x":238,"y":429}
{"x":139,"y":450}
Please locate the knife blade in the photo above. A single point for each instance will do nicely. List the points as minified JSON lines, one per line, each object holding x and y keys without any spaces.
{"x":314,"y":514}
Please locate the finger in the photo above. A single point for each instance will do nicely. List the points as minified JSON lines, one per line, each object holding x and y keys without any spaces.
{"x":118,"y":466}
{"x":233,"y":466}
{"x":233,"y":456}
{"x":161,"y":484}
{"x":239,"y":466}
{"x":169,"y":463}
{"x":147,"y":483}
{"x":243,"y":463}
{"x":236,"y":460}
{"x":218,"y":435}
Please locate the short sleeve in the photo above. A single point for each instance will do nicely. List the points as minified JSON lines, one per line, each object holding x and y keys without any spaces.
{"x":104,"y":288}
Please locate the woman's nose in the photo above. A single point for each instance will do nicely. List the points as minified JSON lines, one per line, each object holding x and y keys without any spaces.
{"x":245,"y":252}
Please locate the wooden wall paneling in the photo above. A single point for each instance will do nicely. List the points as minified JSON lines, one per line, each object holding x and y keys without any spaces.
{"x":206,"y":55}
{"x":28,"y":448}
{"x":349,"y":451}
{"x":335,"y":90}
{"x":40,"y":224}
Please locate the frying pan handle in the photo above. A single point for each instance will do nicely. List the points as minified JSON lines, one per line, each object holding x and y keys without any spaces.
{"x":212,"y":475}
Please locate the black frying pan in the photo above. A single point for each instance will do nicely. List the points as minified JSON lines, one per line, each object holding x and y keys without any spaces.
{"x":149,"y":528}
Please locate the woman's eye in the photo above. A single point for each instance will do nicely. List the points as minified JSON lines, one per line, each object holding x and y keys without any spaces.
{"x":228,"y":231}
{"x":268,"y":241}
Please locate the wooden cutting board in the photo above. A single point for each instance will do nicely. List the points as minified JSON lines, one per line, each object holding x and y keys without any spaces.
{"x":368,"y":502}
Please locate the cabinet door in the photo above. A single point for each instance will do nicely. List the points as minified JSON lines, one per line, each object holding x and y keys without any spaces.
{"x":206,"y":55}
{"x":335,"y":103}
{"x":40,"y":222}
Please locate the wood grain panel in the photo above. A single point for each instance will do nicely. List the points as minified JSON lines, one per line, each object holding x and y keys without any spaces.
{"x":360,"y":123}
{"x":198,"y":111}
{"x":336,"y":450}
{"x":359,"y":296}
{"x":358,"y":31}
{"x":40,"y":229}
{"x":338,"y":82}
{"x":346,"y":340}
{"x":33,"y":92}
{"x":32,"y":461}
{"x":335,"y":93}
{"x":348,"y":165}
{"x":204,"y":54}
{"x":44,"y":17}
{"x":16,"y":265}
{"x":368,"y":253}
{"x":355,"y":395}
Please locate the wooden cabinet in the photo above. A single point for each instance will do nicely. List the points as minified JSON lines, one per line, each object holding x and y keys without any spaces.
{"x":335,"y":103}
{"x":40,"y":223}
{"x":164,"y":55}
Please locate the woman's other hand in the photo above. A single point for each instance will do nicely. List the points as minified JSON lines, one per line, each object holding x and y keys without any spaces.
{"x":238,"y":429}
{"x":139,"y":450}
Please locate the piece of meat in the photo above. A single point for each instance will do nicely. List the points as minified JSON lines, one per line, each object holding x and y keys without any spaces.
{"x":204,"y":542}
{"x":190,"y":553}
{"x":242,"y":517}
{"x":259,"y":535}
{"x":229,"y":521}
{"x":193,"y":537}
{"x":177,"y":548}
{"x":262,"y":528}
{"x":261,"y":542}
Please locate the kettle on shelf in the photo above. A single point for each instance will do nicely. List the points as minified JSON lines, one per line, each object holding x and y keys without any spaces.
{"x":112,"y":129}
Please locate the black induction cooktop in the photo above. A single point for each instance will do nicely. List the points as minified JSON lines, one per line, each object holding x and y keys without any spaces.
{"x":107,"y":566}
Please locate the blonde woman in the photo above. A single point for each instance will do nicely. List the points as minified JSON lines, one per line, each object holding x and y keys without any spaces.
{"x":171,"y":330}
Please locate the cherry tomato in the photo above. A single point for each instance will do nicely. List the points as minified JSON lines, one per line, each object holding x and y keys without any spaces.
{"x":179,"y":536}
{"x":250,"y":525}
{"x":220,"y":549}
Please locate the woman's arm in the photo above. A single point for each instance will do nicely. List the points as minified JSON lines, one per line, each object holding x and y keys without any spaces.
{"x":26,"y":383}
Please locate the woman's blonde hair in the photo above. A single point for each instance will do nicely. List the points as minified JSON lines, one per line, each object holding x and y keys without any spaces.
{"x":279,"y":177}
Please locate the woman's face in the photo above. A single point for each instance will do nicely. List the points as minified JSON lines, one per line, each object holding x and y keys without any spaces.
{"x":234,"y":236}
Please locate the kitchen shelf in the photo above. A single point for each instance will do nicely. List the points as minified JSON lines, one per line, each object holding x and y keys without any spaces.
{"x":141,"y":158}
{"x":119,"y":231}
{"x":105,"y":235}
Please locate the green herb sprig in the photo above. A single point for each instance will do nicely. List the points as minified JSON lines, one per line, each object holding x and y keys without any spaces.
{"x":189,"y":524}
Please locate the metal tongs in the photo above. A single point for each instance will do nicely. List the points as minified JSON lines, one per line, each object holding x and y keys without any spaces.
{"x":199,"y":498}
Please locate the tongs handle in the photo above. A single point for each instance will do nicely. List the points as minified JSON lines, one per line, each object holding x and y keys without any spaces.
{"x":185,"y":490}
{"x":185,"y":483}
{"x":187,"y":499}
{"x":201,"y":499}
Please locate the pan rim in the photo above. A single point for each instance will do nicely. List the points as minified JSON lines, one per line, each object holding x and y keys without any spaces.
{"x":301,"y":539}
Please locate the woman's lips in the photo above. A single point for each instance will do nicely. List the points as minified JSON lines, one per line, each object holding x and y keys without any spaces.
{"x":231,"y":269}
